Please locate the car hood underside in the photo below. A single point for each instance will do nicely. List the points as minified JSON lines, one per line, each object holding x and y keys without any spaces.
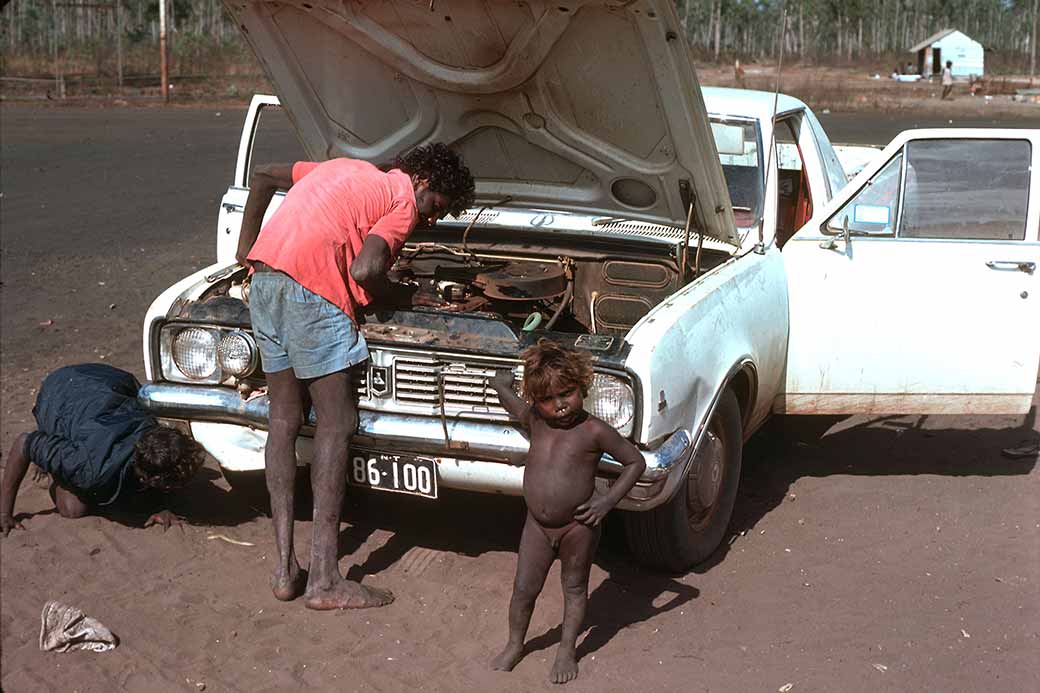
{"x":587,"y":106}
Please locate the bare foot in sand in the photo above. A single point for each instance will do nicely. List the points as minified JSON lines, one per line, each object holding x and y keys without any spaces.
{"x":565,"y":668}
{"x":346,"y":594}
{"x":509,"y":657}
{"x":287,"y":587}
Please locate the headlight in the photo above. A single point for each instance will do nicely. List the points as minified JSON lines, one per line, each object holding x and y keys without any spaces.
{"x":236,"y":354}
{"x":194,"y":352}
{"x":205,"y":354}
{"x":611,"y":399}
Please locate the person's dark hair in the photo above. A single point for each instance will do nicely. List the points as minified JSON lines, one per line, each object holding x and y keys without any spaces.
{"x":549,"y":367}
{"x":165,"y":459}
{"x":445,"y":171}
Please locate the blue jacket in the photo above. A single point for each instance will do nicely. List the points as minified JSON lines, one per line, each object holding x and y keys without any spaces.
{"x":88,"y":421}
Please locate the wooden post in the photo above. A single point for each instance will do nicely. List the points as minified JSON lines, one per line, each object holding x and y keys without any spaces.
{"x":162,"y":52}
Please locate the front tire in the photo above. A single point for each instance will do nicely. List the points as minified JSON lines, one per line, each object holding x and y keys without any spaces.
{"x":688,"y":528}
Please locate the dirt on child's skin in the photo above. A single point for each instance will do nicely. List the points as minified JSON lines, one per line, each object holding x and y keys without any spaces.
{"x":886,"y":554}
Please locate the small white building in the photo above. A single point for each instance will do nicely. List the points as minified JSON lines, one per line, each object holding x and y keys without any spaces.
{"x":949,"y":44}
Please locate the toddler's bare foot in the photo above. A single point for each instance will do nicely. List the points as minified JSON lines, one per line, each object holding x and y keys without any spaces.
{"x":508,"y":658}
{"x":288,"y":586}
{"x":565,"y":668}
{"x":346,"y":594}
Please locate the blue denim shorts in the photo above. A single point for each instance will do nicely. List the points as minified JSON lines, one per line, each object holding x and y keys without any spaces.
{"x":296,"y":328}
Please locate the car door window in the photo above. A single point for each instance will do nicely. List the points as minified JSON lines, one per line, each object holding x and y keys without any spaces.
{"x":794,"y":196}
{"x":874,"y":209}
{"x":836,"y":177}
{"x":275,"y":140}
{"x":966,"y":189}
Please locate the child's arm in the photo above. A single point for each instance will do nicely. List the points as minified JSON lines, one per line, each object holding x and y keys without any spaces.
{"x":592,"y":511}
{"x":14,"y":472}
{"x":503,"y":385}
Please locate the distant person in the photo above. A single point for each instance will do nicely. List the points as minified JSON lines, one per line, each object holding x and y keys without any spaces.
{"x":738,"y":73}
{"x":98,"y":445}
{"x":909,"y":69}
{"x":324,"y":255}
{"x":563,"y":511}
{"x":947,"y":79}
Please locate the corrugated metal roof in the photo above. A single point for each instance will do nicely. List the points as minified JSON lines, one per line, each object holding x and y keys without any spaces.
{"x":933,"y":38}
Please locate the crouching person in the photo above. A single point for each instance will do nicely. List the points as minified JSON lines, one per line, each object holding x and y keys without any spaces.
{"x":98,"y":445}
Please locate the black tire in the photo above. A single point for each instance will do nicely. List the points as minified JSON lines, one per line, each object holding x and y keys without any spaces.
{"x":688,"y":528}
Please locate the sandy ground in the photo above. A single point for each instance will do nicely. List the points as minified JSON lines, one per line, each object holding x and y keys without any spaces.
{"x":866,"y":555}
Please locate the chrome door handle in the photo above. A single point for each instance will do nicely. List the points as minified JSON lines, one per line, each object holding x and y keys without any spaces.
{"x":1021,"y":266}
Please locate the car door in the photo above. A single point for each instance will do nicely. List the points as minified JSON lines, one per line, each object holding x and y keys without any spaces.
{"x":267,"y":137}
{"x":929,"y":302}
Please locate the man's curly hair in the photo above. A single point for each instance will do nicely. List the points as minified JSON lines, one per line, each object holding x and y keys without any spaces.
{"x":445,"y":171}
{"x":549,"y":368}
{"x":165,"y":459}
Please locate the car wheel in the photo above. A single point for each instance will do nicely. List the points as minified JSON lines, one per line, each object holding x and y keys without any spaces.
{"x":688,"y":528}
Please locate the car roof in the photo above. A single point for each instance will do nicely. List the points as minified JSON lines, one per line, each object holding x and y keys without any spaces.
{"x":747,"y":102}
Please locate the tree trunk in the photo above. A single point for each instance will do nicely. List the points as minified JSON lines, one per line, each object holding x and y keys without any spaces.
{"x":1032,"y":43}
{"x":718,"y":28}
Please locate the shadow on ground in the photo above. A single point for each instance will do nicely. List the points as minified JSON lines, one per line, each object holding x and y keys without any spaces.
{"x":792,"y":447}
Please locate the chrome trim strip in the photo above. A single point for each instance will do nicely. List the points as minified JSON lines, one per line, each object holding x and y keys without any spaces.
{"x":499,"y":442}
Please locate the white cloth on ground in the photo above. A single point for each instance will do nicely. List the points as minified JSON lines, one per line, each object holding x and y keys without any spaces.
{"x":64,"y":628}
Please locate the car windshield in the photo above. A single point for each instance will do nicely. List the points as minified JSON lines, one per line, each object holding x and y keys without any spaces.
{"x":740,"y":153}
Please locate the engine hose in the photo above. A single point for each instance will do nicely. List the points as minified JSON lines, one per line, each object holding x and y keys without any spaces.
{"x":568,"y":294}
{"x":532,"y":322}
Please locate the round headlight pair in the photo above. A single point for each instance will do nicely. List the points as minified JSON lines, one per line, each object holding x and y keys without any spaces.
{"x":197,"y":353}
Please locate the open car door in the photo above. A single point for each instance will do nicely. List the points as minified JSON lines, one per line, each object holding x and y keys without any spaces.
{"x":916,"y":289}
{"x":267,"y":137}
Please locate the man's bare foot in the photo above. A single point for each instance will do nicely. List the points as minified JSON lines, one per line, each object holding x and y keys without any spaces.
{"x":565,"y":668}
{"x":288,"y":587}
{"x":508,"y":658}
{"x":346,"y":594}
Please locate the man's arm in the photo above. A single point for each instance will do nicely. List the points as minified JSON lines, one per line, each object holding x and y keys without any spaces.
{"x":267,"y":180}
{"x":14,"y":472}
{"x":371,"y":270}
{"x":592,"y":511}
{"x":502,"y":383}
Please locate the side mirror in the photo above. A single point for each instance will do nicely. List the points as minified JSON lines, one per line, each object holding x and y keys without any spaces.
{"x":830,"y":243}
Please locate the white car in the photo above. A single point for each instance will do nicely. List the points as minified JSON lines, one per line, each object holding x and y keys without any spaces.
{"x":606,"y":224}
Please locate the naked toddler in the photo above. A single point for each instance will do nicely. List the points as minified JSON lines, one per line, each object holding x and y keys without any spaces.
{"x":563,"y":512}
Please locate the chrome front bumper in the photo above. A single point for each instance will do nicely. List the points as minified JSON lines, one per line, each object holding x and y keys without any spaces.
{"x":477,"y":455}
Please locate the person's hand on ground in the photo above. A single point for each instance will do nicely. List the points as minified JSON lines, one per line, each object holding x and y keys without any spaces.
{"x":165,"y":518}
{"x":7,"y":523}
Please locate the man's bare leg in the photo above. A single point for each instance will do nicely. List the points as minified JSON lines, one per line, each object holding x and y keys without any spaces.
{"x":337,"y":422}
{"x":532,"y":565}
{"x":577,"y":550}
{"x":285,"y":418}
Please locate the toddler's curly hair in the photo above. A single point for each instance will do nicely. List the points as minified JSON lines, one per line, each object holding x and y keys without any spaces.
{"x":445,"y":171}
{"x":549,"y":367}
{"x":165,"y":459}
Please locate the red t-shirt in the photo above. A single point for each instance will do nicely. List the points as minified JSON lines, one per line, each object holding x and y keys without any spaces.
{"x":329,"y":211}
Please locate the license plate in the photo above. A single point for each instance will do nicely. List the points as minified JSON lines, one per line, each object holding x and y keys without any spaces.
{"x":393,"y":472}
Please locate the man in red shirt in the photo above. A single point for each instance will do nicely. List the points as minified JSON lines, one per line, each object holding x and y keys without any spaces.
{"x":325,"y":253}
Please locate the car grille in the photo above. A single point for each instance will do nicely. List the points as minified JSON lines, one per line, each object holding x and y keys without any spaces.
{"x":424,"y":383}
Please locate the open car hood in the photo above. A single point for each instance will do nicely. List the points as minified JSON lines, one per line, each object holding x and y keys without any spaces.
{"x":590,"y":106}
